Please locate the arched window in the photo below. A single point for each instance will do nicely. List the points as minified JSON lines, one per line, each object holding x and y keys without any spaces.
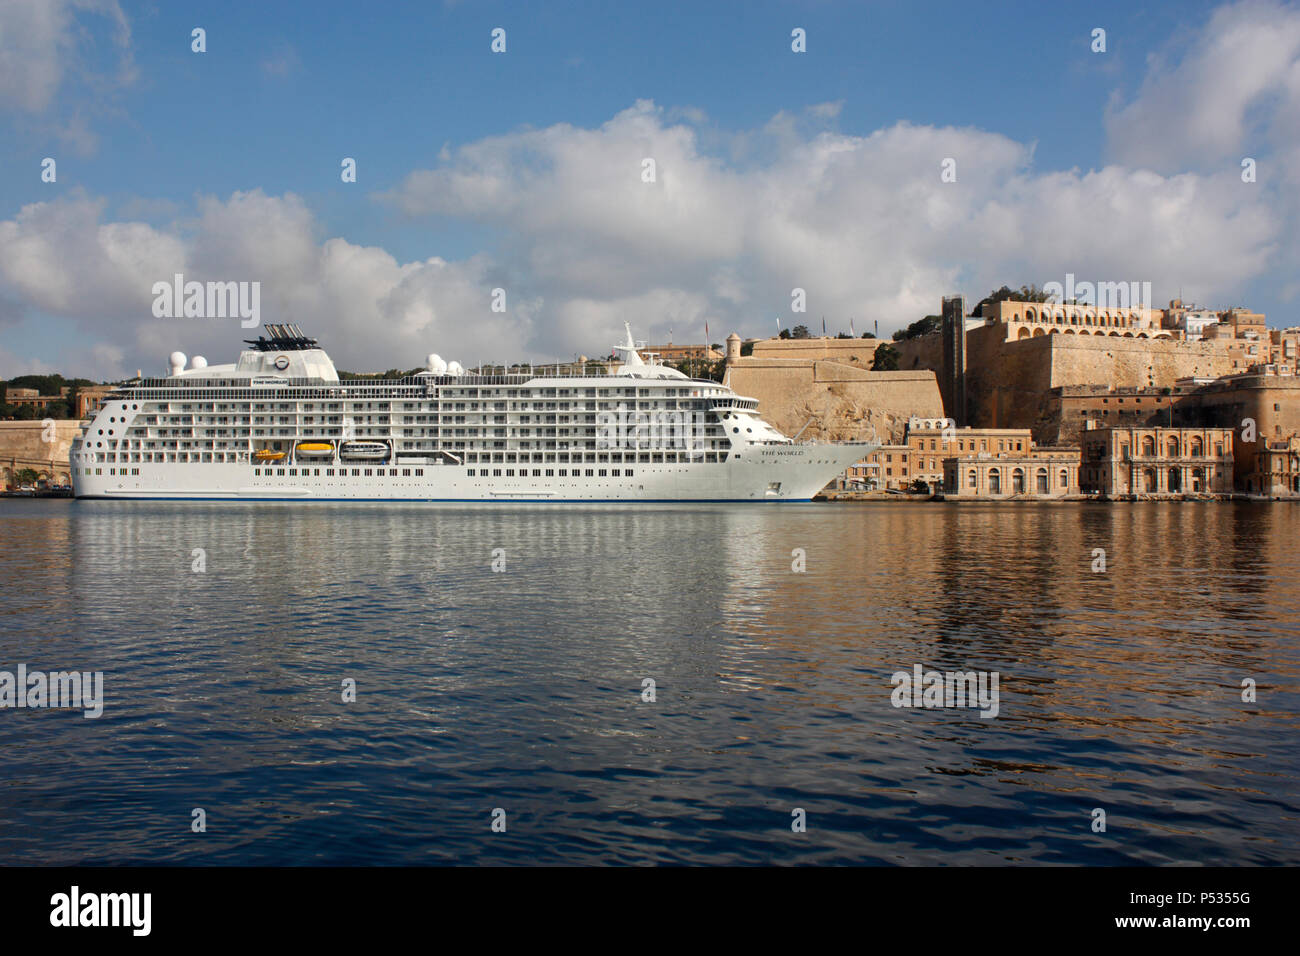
{"x":1065,"y":478}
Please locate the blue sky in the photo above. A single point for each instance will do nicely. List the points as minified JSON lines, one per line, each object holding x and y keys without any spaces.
{"x":479,"y":170}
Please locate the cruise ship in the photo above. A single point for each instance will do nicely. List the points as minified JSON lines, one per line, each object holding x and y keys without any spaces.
{"x":279,"y":424}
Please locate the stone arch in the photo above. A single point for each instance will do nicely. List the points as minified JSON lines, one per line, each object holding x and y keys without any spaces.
{"x":1030,"y":315}
{"x":1055,"y":331}
{"x":1114,"y":333}
{"x":1196,"y":448}
{"x":1173,"y":447}
{"x":1142,"y":335}
{"x":1128,"y":335}
{"x":1038,"y":332}
{"x":1149,"y":484}
{"x":1148,"y":446}
{"x":1175,"y":481}
{"x":1023,"y":333}
{"x":1069,"y":331}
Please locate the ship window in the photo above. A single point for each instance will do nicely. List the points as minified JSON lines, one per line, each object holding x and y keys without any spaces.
{"x":564,"y":473}
{"x":279,"y":471}
{"x":470,"y":473}
{"x":315,"y":471}
{"x":370,"y":472}
{"x":419,"y":471}
{"x":627,"y":472}
{"x":589,"y":472}
{"x":293,"y":471}
{"x":537,"y":472}
{"x":257,"y":471}
{"x":406,"y":472}
{"x":602,"y":473}
{"x":355,"y":472}
{"x":329,"y":472}
{"x":550,"y":472}
{"x":392,"y":472}
{"x":510,"y":472}
{"x":496,"y":472}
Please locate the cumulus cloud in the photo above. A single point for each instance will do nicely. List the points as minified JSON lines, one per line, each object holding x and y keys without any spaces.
{"x":62,"y":259}
{"x":1234,"y":92}
{"x":865,"y":225}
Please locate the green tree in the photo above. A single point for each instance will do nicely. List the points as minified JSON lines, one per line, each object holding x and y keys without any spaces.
{"x":926,"y":326}
{"x":25,"y":476}
{"x":785,"y":334}
{"x":800,"y":332}
{"x":886,"y":359}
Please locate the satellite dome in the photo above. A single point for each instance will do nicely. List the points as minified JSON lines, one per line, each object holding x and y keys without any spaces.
{"x":454,"y":368}
{"x":198,"y":362}
{"x":177,"y":360}
{"x":437,"y":364}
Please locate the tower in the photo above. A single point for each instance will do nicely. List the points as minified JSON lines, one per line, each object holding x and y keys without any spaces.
{"x":952,"y":383}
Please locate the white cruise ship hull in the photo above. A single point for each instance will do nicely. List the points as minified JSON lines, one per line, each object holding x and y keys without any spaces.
{"x":782,"y":473}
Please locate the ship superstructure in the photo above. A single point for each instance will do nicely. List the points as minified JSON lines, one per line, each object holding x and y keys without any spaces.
{"x":279,"y":424}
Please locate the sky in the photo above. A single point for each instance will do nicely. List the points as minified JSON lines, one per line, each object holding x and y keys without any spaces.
{"x":911,"y":150}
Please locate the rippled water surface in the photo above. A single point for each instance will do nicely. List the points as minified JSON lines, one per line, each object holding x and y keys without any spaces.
{"x":522,"y":689}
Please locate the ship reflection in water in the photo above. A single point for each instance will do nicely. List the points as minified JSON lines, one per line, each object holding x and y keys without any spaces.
{"x":523,"y":688}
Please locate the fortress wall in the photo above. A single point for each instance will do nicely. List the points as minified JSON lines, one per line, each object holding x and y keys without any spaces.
{"x":21,"y":446}
{"x":846,"y":402}
{"x":859,"y":351}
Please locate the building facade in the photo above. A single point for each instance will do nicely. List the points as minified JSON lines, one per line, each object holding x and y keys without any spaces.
{"x":1136,"y":461}
{"x":1047,"y":473}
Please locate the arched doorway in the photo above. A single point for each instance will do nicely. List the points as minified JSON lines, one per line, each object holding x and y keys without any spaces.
{"x":1043,"y":485}
{"x":1018,"y":481}
{"x":1198,"y":480}
{"x":1149,"y":480}
{"x":1175,"y":481}
{"x":995,"y":482}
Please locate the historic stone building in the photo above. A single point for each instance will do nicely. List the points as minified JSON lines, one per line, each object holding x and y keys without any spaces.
{"x":1275,"y":471}
{"x":1136,"y":461}
{"x":1045,"y":473}
{"x":929,"y":443}
{"x":1023,"y":320}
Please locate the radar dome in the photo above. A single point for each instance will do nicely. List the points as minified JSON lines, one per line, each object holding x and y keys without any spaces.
{"x":177,"y":360}
{"x":198,"y":362}
{"x":454,"y":368}
{"x":437,"y":364}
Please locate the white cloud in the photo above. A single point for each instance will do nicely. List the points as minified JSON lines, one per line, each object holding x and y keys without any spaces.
{"x":42,"y":40}
{"x":61,"y":259}
{"x":1235,"y":92}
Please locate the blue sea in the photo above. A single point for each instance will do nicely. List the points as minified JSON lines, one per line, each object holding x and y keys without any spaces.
{"x":652,"y":684}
